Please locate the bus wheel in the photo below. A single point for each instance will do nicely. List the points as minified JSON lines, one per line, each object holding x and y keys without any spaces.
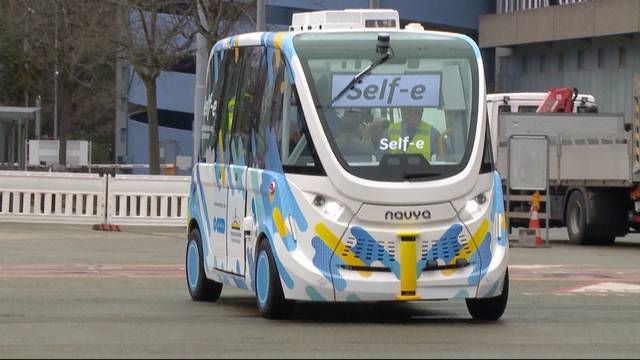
{"x":200,"y":288}
{"x":269,"y":294}
{"x":490,"y":309}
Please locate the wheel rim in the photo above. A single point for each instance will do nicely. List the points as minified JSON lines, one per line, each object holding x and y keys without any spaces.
{"x":576,"y":215}
{"x":193,"y":264}
{"x":262,"y":278}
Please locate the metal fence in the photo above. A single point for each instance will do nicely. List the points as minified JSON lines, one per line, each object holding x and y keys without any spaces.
{"x":70,"y":198}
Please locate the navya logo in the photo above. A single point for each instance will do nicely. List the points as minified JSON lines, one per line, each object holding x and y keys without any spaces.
{"x":405,"y":215}
{"x":219,"y":225}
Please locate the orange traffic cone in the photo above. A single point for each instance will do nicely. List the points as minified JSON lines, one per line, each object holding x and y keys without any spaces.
{"x":534,"y":221}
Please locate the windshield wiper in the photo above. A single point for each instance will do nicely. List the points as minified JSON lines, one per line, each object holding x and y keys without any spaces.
{"x":382,"y":47}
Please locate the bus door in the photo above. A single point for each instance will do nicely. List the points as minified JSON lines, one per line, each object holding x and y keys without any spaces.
{"x":224,"y":172}
{"x":246,"y":109}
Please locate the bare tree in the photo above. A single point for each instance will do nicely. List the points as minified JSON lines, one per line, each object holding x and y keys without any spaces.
{"x":216,"y":19}
{"x":83,"y":60}
{"x":157,"y":34}
{"x":151,"y":35}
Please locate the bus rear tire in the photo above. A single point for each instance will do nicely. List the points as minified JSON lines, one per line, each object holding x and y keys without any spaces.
{"x":490,"y":309}
{"x":269,"y":295}
{"x":200,"y":288}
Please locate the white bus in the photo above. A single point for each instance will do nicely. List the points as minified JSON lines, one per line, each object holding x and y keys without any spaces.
{"x":347,"y":160}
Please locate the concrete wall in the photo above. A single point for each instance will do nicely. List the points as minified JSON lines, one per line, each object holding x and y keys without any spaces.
{"x":583,"y":20}
{"x":611,"y":84}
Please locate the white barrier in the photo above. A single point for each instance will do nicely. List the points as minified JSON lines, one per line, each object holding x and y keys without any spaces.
{"x":148,"y":200}
{"x":52,"y":197}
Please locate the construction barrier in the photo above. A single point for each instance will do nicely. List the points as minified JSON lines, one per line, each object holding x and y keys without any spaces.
{"x":37,"y":197}
{"x":148,"y":200}
{"x":105,"y":201}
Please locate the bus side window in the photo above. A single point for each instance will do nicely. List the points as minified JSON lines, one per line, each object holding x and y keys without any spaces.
{"x":231,"y":66}
{"x":211,"y":109}
{"x":296,"y":148}
{"x":266,"y":123}
{"x":248,"y":104}
{"x":504,"y":108}
{"x":282,"y":120}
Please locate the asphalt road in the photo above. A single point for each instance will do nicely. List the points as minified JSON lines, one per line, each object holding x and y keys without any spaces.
{"x":67,"y":291}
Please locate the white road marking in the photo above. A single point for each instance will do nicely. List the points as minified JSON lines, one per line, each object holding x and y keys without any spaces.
{"x":609,"y":287}
{"x":533,"y":267}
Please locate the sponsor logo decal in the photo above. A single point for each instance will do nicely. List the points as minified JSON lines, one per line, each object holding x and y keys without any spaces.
{"x":219,"y":225}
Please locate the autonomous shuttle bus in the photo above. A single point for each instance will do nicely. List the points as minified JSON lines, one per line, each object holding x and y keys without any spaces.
{"x":347,"y":160}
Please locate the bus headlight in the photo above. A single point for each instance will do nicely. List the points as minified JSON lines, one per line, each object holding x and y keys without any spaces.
{"x":473,"y":206}
{"x":330,"y":208}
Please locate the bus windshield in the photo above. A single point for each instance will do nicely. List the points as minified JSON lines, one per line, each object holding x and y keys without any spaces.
{"x":412,"y":118}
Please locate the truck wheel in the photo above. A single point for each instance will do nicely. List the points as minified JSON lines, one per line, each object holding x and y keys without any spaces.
{"x":269,"y":294}
{"x":577,"y":218}
{"x":200,"y":288}
{"x":490,"y":309}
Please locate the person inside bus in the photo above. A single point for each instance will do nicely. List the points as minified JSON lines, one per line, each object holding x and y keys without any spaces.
{"x":423,"y":138}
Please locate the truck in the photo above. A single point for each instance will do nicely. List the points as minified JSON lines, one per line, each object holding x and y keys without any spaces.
{"x":593,"y":165}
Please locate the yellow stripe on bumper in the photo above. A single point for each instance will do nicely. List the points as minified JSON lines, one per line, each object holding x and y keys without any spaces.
{"x":408,"y":272}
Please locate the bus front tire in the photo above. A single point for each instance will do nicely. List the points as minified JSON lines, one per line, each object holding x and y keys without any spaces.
{"x":490,"y":309}
{"x":269,"y":295}
{"x":200,"y":288}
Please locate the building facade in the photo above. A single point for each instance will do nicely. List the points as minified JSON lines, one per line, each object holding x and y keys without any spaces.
{"x":593,"y":45}
{"x":176,"y":87}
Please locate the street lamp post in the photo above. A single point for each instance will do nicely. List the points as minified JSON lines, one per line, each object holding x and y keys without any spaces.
{"x":55,"y":78}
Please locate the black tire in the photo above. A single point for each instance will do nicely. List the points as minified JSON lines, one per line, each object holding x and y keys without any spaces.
{"x":576,"y":219}
{"x":490,"y":309}
{"x":200,"y":288}
{"x":577,"y":225}
{"x":269,"y":295}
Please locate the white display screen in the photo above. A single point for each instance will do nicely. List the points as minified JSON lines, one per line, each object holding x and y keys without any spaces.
{"x":419,"y":90}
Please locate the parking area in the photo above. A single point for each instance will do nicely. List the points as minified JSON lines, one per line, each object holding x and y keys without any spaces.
{"x":68,"y":291}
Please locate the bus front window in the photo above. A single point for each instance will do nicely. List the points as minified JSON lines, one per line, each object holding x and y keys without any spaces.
{"x":412,"y":118}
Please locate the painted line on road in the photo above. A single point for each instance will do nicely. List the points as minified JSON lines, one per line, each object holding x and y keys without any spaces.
{"x":91,"y":271}
{"x":583,"y":274}
{"x":609,"y":287}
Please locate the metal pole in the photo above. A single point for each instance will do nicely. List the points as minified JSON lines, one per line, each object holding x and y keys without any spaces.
{"x":11,"y":153}
{"x":90,"y":156}
{"x":261,"y":24}
{"x":20,"y":146}
{"x":26,"y":143}
{"x":26,"y":151}
{"x":38,"y":128}
{"x":55,"y":77}
{"x":548,"y":195}
{"x":374,"y":4}
{"x":507,"y":190}
{"x":201,"y":80}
